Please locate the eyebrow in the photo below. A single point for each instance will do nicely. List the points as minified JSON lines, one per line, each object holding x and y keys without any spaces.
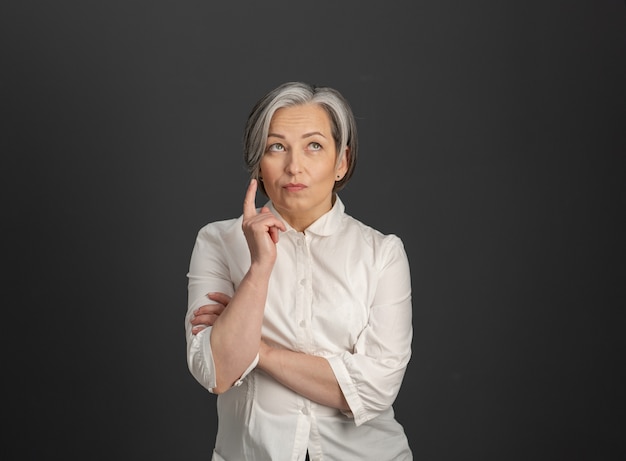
{"x":305,"y":135}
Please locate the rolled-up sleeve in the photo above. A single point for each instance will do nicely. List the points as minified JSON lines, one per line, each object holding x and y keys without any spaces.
{"x":370,"y":376}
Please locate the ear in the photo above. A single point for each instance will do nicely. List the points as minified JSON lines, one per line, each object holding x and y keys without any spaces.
{"x":342,"y":166}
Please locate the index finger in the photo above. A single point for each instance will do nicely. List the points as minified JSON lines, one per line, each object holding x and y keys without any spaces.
{"x":249,"y":207}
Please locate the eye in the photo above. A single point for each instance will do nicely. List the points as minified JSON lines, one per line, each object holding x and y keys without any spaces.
{"x":315,"y":146}
{"x":276,"y":147}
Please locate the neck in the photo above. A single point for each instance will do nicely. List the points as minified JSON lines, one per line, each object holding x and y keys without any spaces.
{"x":301,"y":221}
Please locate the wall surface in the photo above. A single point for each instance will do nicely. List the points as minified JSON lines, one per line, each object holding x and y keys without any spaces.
{"x":492,"y":141}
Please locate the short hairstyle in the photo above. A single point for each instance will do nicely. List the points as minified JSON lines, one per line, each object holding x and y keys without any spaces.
{"x":342,"y":121}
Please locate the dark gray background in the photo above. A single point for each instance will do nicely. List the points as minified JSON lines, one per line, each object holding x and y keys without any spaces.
{"x":492,"y":142}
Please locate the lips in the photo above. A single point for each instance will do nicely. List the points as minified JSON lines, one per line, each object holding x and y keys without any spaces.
{"x":294,"y":187}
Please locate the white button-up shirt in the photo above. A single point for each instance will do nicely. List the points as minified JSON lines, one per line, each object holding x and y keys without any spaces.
{"x":340,"y":290}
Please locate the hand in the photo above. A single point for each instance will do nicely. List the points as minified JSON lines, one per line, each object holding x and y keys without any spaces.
{"x":205,"y":316}
{"x":261,"y":229}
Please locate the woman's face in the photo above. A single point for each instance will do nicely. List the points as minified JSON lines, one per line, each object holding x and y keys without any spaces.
{"x":299,"y":167}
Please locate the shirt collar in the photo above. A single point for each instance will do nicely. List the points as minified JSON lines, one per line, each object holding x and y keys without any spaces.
{"x":326,"y":224}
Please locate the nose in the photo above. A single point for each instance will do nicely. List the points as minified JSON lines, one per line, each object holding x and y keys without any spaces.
{"x":293,"y":166}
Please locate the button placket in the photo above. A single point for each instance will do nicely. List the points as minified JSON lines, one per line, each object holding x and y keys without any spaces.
{"x":307,"y":285}
{"x":301,"y":270}
{"x":303,"y":293}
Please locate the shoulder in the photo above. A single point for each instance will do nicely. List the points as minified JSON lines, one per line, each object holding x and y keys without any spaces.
{"x":373,"y":238}
{"x":221,"y":230}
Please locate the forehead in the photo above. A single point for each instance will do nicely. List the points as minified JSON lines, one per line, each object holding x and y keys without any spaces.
{"x":306,"y":117}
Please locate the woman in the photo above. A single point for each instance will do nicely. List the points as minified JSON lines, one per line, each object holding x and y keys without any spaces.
{"x":299,"y":316}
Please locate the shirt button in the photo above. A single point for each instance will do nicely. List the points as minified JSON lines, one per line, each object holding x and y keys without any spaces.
{"x":302,"y":323}
{"x":304,"y":410}
{"x":299,"y":242}
{"x":303,"y":282}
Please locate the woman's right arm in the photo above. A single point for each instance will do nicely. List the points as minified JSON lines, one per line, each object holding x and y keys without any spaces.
{"x":236,"y":332}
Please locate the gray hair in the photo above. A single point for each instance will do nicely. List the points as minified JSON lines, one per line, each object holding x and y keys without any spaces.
{"x":342,"y":121}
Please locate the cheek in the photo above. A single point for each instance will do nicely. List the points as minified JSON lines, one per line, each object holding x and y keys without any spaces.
{"x":264,"y":167}
{"x":270,"y":170}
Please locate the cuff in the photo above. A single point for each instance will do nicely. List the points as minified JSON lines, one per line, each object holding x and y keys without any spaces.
{"x":349,"y":389}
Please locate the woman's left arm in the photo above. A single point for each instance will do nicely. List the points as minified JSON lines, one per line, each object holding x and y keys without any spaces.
{"x":308,"y":375}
